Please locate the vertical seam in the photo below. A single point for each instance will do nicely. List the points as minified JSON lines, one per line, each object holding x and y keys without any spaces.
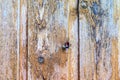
{"x":78,"y":41}
{"x":27,"y":42}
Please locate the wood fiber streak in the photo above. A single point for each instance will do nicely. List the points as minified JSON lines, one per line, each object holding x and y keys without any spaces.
{"x":116,"y":17}
{"x":51,"y":23}
{"x":23,"y":40}
{"x":8,"y":39}
{"x":99,"y":40}
{"x":30,"y":29}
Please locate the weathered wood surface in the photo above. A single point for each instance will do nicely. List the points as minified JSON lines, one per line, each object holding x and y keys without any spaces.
{"x":30,"y":29}
{"x":50,"y":24}
{"x":8,"y":39}
{"x":23,"y":40}
{"x":99,"y":24}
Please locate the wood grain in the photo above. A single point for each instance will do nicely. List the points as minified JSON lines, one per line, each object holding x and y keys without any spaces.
{"x":99,"y":40}
{"x":23,"y":40}
{"x":116,"y":47}
{"x":8,"y":39}
{"x":30,"y":29}
{"x":50,"y":24}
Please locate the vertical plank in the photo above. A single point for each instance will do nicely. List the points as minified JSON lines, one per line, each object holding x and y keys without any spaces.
{"x":73,"y":39}
{"x":51,"y":23}
{"x":23,"y":40}
{"x":99,"y":40}
{"x":8,"y":39}
{"x":116,"y":46}
{"x":87,"y":41}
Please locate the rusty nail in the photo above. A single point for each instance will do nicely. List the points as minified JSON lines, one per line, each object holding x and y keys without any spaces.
{"x":41,"y":60}
{"x":66,"y":46}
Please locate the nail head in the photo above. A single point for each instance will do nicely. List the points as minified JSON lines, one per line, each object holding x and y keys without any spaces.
{"x":84,"y":4}
{"x":41,"y":60}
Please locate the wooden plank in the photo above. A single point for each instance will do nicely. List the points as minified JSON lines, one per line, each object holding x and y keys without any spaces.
{"x":116,"y":42}
{"x":8,"y":39}
{"x":23,"y":40}
{"x":51,"y":23}
{"x":99,"y":40}
{"x":87,"y":43}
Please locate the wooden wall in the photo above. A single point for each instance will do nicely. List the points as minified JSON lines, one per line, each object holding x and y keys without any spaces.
{"x":8,"y":39}
{"x":35,"y":29}
{"x":50,"y":24}
{"x":99,"y":39}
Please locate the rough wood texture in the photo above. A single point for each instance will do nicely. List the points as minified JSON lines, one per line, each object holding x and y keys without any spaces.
{"x":23,"y":40}
{"x":8,"y":40}
{"x":116,"y":47}
{"x":50,"y":24}
{"x":99,"y":39}
{"x":30,"y":29}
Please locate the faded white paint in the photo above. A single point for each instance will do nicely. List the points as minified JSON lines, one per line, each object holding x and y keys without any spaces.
{"x":73,"y":34}
{"x":41,"y":11}
{"x":23,"y":24}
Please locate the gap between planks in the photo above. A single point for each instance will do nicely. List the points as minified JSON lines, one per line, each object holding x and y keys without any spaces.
{"x":78,"y":40}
